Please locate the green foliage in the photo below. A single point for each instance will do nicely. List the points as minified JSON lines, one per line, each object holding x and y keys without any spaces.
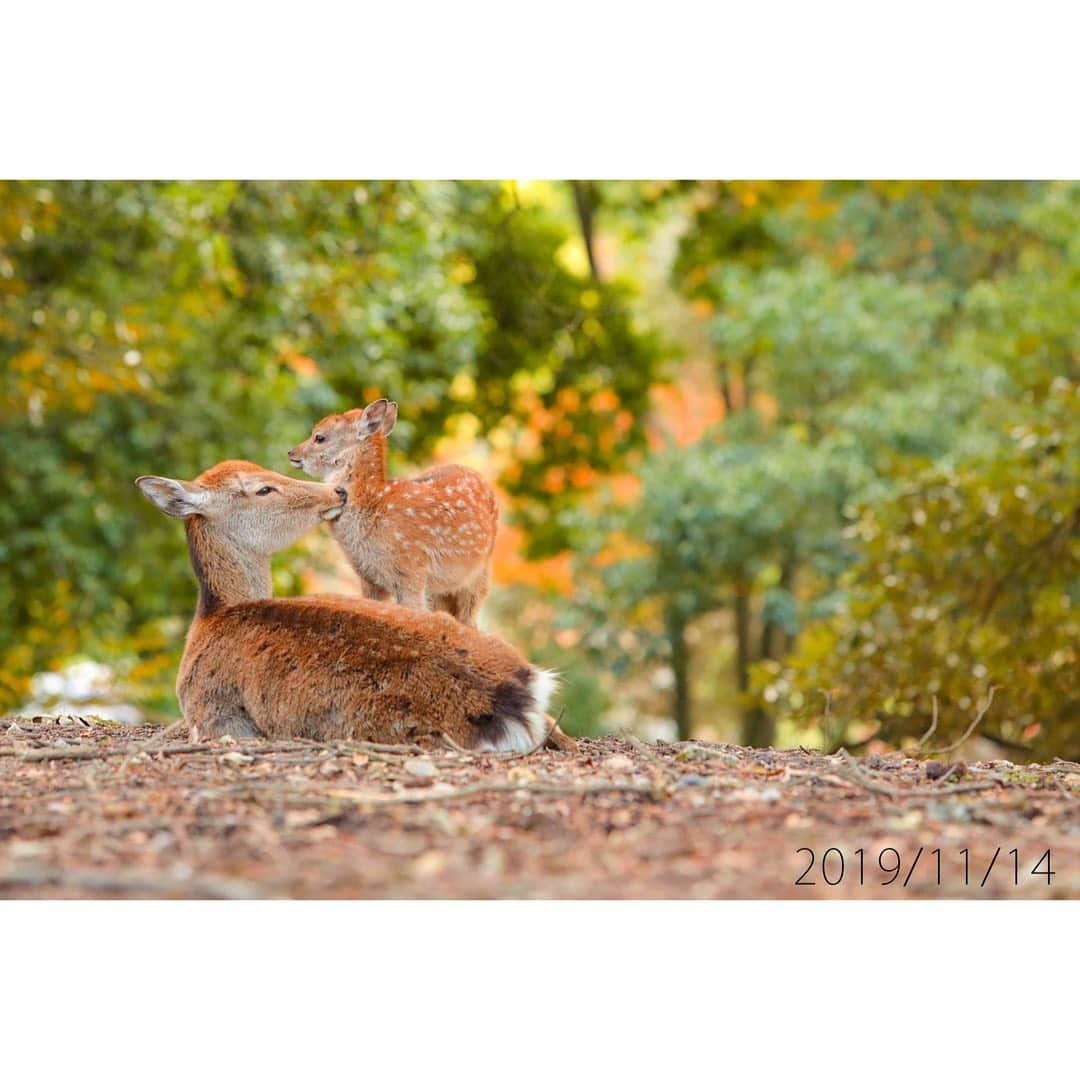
{"x":967,"y":577}
{"x":886,"y":509}
{"x":812,"y":340}
{"x":870,"y":342}
{"x":160,"y":327}
{"x":966,"y":572}
{"x":562,"y":364}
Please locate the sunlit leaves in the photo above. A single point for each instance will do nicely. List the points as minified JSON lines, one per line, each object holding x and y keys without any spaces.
{"x":166,"y":326}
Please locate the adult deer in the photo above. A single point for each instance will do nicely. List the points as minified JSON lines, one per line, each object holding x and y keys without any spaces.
{"x":327,"y":667}
{"x":425,"y":541}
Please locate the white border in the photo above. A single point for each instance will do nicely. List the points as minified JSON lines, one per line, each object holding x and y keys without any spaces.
{"x":560,"y":89}
{"x":538,"y":988}
{"x":768,"y":89}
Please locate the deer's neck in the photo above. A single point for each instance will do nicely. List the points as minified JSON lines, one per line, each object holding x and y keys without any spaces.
{"x":226,"y":574}
{"x":366,"y":473}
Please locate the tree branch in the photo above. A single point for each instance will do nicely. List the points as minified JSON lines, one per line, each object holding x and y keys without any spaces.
{"x":585,"y":204}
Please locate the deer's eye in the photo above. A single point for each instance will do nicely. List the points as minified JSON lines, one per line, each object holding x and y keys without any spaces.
{"x":320,"y":438}
{"x":265,"y":490}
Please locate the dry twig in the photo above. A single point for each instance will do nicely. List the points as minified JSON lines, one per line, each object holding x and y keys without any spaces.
{"x":471,"y":790}
{"x":852,"y":772}
{"x":931,"y":729}
{"x":971,"y":727}
{"x":91,"y":753}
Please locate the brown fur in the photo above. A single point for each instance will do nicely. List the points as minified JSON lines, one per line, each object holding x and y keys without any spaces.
{"x":325,"y":667}
{"x":335,"y":668}
{"x":425,"y":541}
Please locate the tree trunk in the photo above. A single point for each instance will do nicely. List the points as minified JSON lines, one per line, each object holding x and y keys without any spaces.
{"x":742,"y":636}
{"x":774,"y":638}
{"x":725,"y":389}
{"x":585,"y":204}
{"x":680,"y":669}
{"x":758,"y":728}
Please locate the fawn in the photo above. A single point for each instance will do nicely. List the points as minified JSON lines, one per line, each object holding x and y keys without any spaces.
{"x":425,"y":541}
{"x":327,"y":667}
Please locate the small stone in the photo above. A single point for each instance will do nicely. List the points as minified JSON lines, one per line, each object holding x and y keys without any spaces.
{"x":619,"y":763}
{"x":421,"y":768}
{"x":302,"y":819}
{"x":492,"y":862}
{"x":691,"y":781}
{"x":429,"y":864}
{"x":234,"y":757}
{"x":25,"y":849}
{"x":903,"y":822}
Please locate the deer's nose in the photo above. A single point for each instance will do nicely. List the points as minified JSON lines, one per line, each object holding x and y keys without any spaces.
{"x":343,"y":493}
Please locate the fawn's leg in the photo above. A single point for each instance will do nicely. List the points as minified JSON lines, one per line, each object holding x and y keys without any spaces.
{"x":465,"y":608}
{"x":371,"y":591}
{"x":447,"y":602}
{"x":468,"y":601}
{"x":412,"y":594}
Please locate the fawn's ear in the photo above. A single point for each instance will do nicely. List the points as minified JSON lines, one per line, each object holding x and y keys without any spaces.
{"x":173,"y":497}
{"x":380,"y":415}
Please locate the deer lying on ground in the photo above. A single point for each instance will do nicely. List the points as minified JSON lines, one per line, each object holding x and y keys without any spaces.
{"x":425,"y":541}
{"x":327,"y":667}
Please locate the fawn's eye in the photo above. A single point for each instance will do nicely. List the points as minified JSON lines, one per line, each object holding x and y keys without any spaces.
{"x":265,"y":490}
{"x":320,"y":438}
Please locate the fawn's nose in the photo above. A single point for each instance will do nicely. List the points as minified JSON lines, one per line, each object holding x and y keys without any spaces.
{"x":342,"y":493}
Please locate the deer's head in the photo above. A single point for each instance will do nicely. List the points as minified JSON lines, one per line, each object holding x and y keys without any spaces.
{"x":250,"y":507}
{"x":330,"y":446}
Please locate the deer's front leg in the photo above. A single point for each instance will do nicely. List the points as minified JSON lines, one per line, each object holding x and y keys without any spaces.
{"x":412,"y":594}
{"x":371,"y":591}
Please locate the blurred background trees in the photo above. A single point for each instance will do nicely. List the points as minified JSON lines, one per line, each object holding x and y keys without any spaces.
{"x":761,"y":443}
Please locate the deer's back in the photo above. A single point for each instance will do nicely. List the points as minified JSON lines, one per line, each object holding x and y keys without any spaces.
{"x":332,"y":667}
{"x":442,"y":522}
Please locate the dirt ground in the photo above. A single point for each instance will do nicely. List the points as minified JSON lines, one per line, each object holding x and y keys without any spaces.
{"x":90,"y":809}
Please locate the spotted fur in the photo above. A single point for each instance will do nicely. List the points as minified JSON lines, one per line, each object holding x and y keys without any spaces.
{"x":425,"y":542}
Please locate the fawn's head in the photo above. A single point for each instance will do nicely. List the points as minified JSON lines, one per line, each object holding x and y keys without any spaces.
{"x":333,"y":440}
{"x":249,"y":506}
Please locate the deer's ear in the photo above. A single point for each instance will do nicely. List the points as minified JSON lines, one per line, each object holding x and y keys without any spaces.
{"x":378,"y":416}
{"x":173,"y":497}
